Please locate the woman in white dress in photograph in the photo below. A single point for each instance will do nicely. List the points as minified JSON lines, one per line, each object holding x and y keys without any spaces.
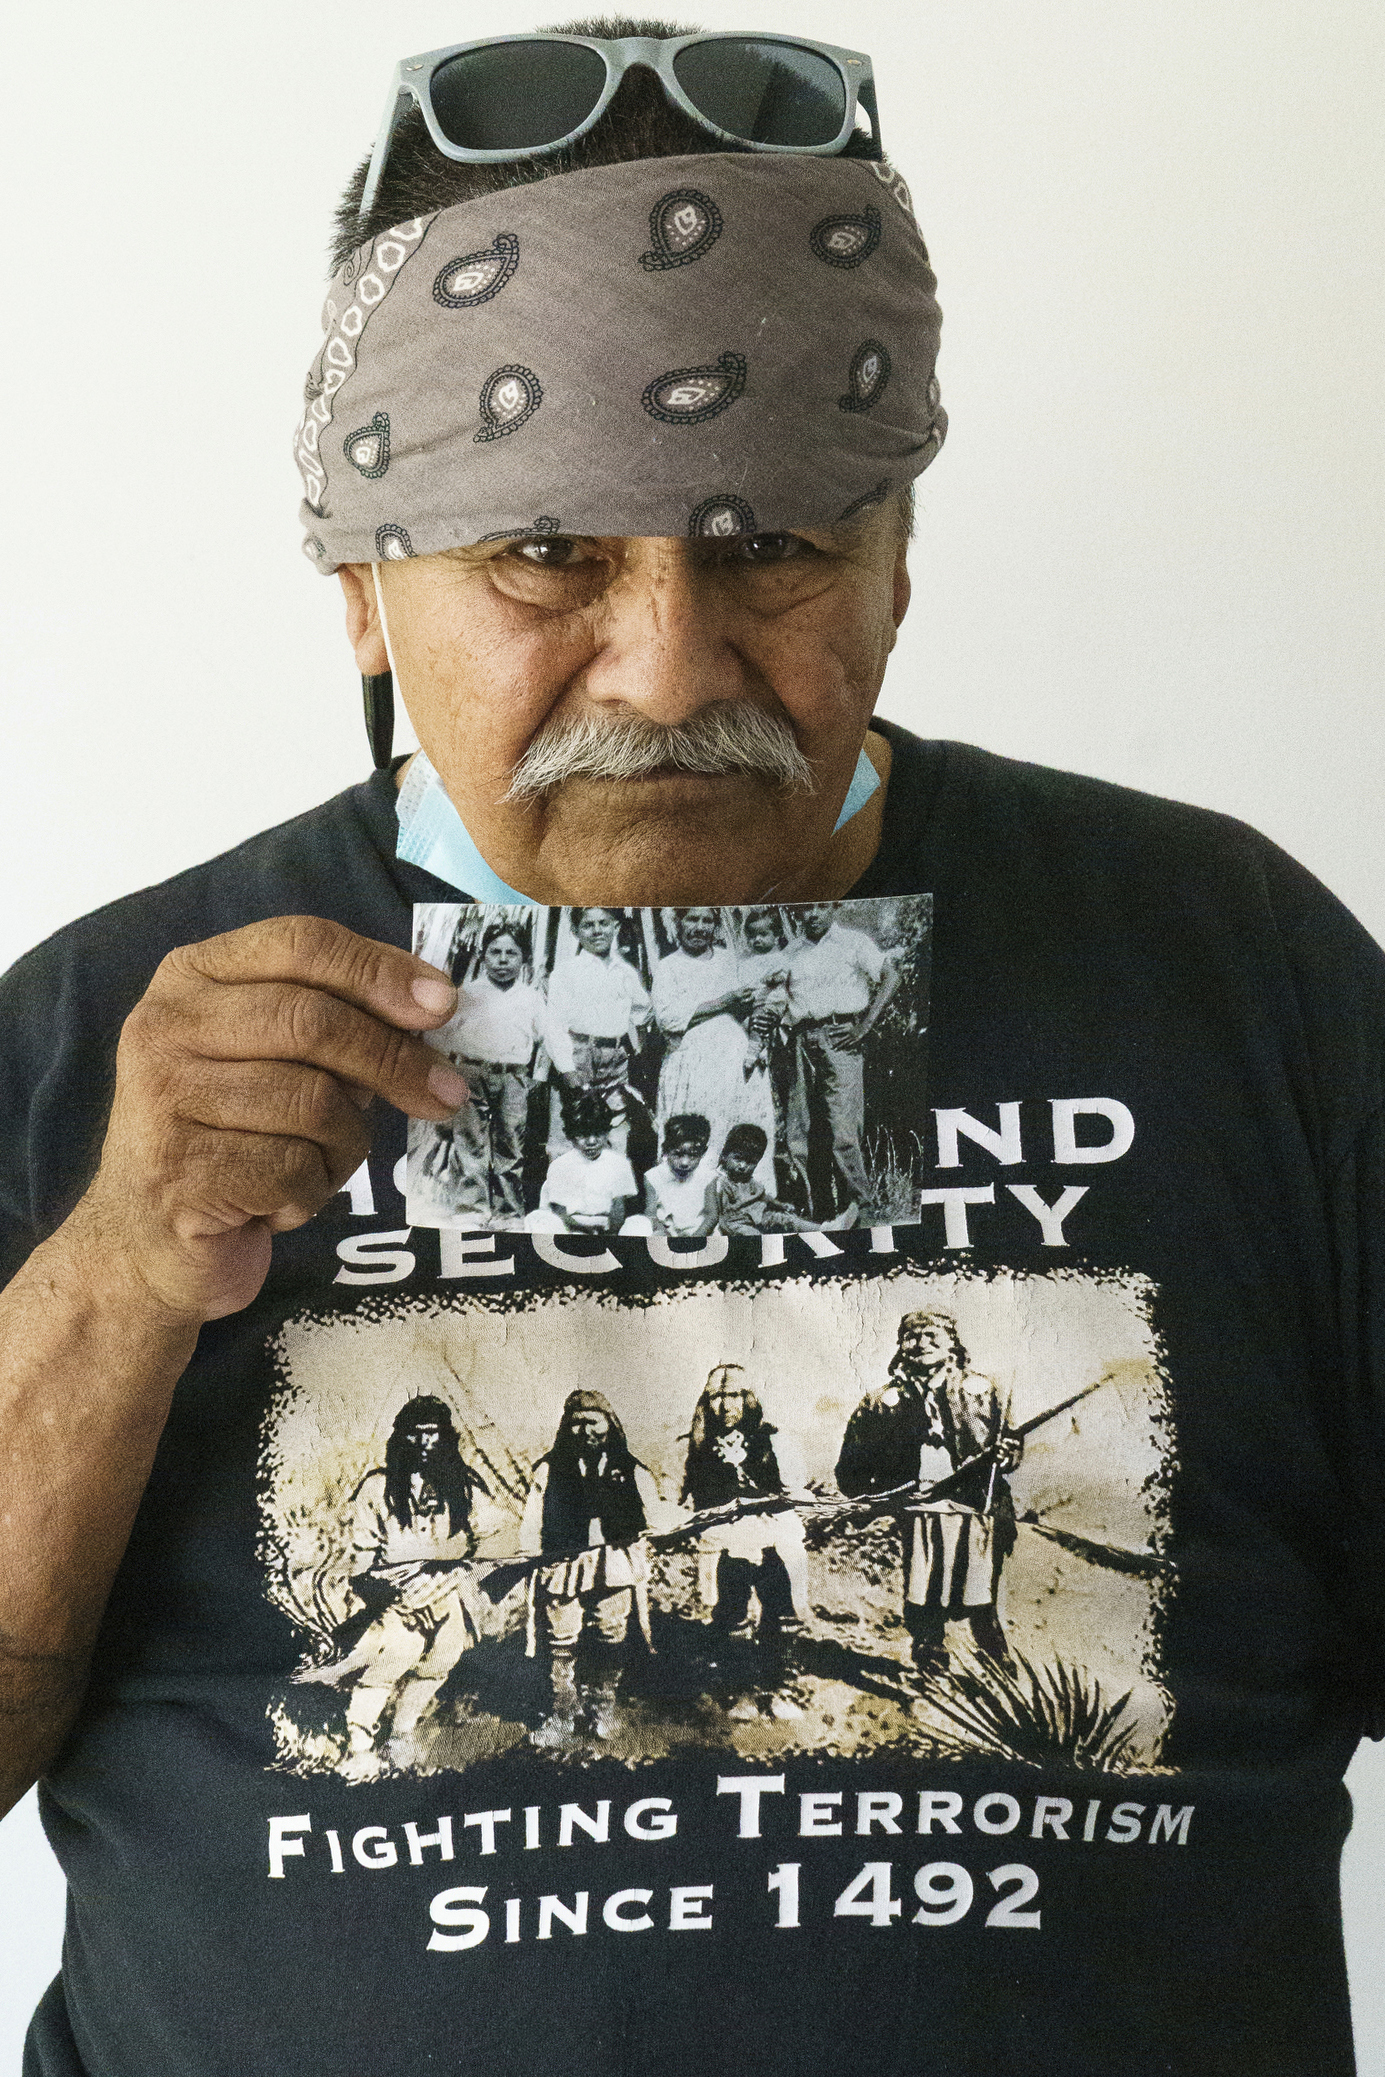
{"x":702,"y":1006}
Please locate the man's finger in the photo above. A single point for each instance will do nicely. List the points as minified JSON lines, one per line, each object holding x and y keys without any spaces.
{"x":309,"y":950}
{"x":284,"y":1100}
{"x":277,"y":1021}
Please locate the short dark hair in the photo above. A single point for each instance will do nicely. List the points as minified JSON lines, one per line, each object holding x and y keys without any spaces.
{"x":641,"y":123}
{"x":686,"y":1130}
{"x":745,"y":1143}
{"x":585,"y":1116}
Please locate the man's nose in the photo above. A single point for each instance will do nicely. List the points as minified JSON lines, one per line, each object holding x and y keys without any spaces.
{"x":666,"y":649}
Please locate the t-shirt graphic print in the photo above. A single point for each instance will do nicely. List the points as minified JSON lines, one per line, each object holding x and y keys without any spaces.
{"x":751,"y":1511}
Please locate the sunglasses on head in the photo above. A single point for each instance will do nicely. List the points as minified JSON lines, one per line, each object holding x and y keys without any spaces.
{"x":518,"y":96}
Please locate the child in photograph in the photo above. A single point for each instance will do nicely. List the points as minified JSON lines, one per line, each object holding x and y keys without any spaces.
{"x":740,"y":1203}
{"x":590,"y":1188}
{"x":765,"y":968}
{"x":677,"y":1192}
{"x":492,"y":1039}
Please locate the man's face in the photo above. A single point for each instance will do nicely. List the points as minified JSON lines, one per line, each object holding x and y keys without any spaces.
{"x":426,"y":1437}
{"x":496,"y":642}
{"x":726,"y":1404}
{"x":697,"y":928}
{"x":589,"y":1428}
{"x":501,"y":960}
{"x":596,"y":930}
{"x":921,"y":1348}
{"x":817,"y":920}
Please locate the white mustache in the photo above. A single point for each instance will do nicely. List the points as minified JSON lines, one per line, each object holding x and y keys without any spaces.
{"x":731,"y":737}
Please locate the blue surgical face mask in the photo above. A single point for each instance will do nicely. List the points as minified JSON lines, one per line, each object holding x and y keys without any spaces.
{"x":433,"y":835}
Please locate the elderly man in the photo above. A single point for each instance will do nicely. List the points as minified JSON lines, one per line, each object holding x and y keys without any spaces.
{"x":954,"y":1546}
{"x":628,"y":371}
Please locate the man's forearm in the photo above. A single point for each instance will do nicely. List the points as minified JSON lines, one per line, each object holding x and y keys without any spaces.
{"x":88,"y":1363}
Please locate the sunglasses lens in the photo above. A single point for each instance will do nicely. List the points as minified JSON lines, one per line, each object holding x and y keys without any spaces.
{"x":515,"y":96}
{"x":768,"y":93}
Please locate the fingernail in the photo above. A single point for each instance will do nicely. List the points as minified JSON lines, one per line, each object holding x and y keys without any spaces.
{"x":432,"y":992}
{"x":447,"y":1085}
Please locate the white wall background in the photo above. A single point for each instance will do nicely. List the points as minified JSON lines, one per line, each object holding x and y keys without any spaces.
{"x":1150,"y":551}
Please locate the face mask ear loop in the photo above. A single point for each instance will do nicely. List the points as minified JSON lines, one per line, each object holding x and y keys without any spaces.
{"x":377,"y":692}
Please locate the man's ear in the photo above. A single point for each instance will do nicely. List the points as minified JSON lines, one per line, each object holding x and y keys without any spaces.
{"x":363,"y":630}
{"x":902,"y":586}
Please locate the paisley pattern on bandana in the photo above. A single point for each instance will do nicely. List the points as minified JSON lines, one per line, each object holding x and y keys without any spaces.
{"x":392,"y":544}
{"x":508,"y":397}
{"x":688,"y":396}
{"x":844,"y":241}
{"x":368,"y":448}
{"x":542,"y":525}
{"x":867,"y":376}
{"x":718,"y":519}
{"x":684,"y":225}
{"x":875,"y":496}
{"x":477,"y":276}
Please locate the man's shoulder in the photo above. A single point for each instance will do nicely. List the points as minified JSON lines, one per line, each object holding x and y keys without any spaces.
{"x":885,"y":1399}
{"x":370,"y":1493}
{"x":945,"y":793}
{"x":959,"y":814}
{"x":334,"y":860}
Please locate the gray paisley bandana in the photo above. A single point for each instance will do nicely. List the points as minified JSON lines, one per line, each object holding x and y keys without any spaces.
{"x":730,"y":343}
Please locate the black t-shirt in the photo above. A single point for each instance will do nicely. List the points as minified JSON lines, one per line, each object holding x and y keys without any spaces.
{"x":1053,"y":1790}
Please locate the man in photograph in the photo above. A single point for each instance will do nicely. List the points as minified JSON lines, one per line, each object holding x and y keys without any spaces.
{"x":588,"y":1507}
{"x":412,"y":1538}
{"x":597,"y":1003}
{"x":840,"y":983}
{"x":757,"y":1559}
{"x":627,"y":375}
{"x":954,"y":1547}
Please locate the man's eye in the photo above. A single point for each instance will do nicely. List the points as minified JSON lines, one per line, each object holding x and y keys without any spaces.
{"x":760,"y":550}
{"x":547,"y":552}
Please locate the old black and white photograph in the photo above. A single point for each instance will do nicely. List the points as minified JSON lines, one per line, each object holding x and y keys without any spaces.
{"x":923,"y":1513}
{"x":748,"y":1070}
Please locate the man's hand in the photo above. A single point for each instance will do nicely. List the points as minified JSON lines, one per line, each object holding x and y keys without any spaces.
{"x":242,"y":1078}
{"x":846,"y":1034}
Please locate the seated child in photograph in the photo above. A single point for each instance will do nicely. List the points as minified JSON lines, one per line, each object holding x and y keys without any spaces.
{"x":677,"y":1191}
{"x":741,"y":1204}
{"x":590,"y":1188}
{"x":765,"y":968}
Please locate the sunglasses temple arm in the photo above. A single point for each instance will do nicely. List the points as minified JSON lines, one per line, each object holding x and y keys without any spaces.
{"x":865,"y":95}
{"x":385,"y":137}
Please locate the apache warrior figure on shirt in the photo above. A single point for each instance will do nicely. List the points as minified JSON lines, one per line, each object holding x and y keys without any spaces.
{"x":413,"y":1533}
{"x":734,"y":1454}
{"x":954,"y":1546}
{"x":589,"y":1505}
